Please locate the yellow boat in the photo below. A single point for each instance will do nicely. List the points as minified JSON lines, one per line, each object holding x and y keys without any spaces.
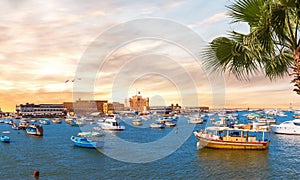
{"x":230,"y":138}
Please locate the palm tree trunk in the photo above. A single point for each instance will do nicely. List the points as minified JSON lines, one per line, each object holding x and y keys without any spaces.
{"x":296,"y":69}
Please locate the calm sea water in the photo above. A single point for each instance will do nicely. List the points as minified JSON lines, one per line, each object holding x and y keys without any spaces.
{"x":56,"y":158}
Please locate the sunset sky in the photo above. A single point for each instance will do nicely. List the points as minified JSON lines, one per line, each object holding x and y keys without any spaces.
{"x":43,"y":43}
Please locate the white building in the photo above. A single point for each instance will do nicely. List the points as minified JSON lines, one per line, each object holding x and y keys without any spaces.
{"x":40,"y":109}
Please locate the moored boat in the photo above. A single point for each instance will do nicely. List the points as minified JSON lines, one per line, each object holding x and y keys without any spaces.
{"x":5,"y":138}
{"x":196,"y":120}
{"x":14,"y":126}
{"x":86,"y":143}
{"x":231,"y":138}
{"x":170,"y":124}
{"x":156,"y":125}
{"x":291,"y":127}
{"x":111,"y":124}
{"x":56,"y":121}
{"x":137,"y":122}
{"x":35,"y":129}
{"x":45,"y":121}
{"x":90,"y":134}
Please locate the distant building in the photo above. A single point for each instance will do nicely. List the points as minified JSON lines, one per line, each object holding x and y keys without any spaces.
{"x":40,"y":109}
{"x":138,"y":103}
{"x":201,"y":109}
{"x":166,"y":110}
{"x":85,"y":106}
{"x":110,"y":108}
{"x":176,"y":109}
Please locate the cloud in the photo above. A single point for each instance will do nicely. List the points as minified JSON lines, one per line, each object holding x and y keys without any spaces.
{"x":221,"y":16}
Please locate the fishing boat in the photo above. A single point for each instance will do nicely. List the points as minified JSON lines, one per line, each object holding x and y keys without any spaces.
{"x":231,"y":138}
{"x":86,"y":143}
{"x":5,"y":138}
{"x":288,"y":127}
{"x":35,"y":129}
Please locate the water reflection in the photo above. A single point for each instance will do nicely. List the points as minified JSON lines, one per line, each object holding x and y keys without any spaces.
{"x":216,"y":163}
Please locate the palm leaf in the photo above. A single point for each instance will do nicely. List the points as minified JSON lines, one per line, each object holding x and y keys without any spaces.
{"x":246,"y":11}
{"x":225,"y":54}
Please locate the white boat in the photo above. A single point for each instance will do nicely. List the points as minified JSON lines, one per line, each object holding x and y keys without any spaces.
{"x":90,"y":134}
{"x":288,"y":127}
{"x":160,"y":121}
{"x":137,"y":122}
{"x":170,"y":124}
{"x":112,"y":124}
{"x":281,"y":114}
{"x":196,"y":120}
{"x":156,"y":125}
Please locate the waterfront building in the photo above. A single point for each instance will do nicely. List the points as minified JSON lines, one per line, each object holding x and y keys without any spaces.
{"x":138,"y":103}
{"x":176,"y":109}
{"x":40,"y":109}
{"x":197,"y":109}
{"x":166,"y":110}
{"x":110,"y":108}
{"x":85,"y":106}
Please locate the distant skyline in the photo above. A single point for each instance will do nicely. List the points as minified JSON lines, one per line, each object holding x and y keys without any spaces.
{"x":43,"y":42}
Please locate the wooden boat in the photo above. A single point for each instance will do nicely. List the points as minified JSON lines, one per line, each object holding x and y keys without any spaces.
{"x":86,"y":143}
{"x":35,"y":129}
{"x":230,"y":138}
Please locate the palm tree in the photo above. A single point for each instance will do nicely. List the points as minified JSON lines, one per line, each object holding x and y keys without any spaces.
{"x":272,"y":45}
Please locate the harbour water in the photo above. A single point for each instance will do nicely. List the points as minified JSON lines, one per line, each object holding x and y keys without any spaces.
{"x":55,"y":157}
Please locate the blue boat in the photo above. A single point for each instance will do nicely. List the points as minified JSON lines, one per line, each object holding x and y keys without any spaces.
{"x":87,"y":143}
{"x":35,"y":129}
{"x":4,"y":138}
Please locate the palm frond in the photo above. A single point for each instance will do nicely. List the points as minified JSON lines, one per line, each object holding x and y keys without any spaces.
{"x":279,"y":65}
{"x":246,"y":11}
{"x":226,"y":54}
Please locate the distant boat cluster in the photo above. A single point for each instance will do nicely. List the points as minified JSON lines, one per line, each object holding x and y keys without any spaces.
{"x":223,"y":130}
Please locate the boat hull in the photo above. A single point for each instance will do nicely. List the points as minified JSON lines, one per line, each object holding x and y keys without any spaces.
{"x":83,"y":142}
{"x":219,"y":144}
{"x":5,"y":139}
{"x":285,"y":130}
{"x":36,"y":130}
